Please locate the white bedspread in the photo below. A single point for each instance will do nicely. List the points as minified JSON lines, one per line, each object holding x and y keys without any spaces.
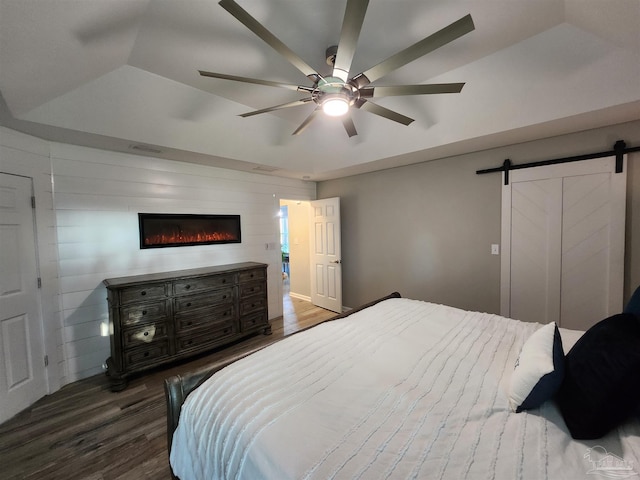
{"x":405,"y":389}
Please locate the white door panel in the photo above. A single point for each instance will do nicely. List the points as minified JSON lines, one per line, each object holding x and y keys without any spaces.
{"x":588,"y":223}
{"x":22,"y":371}
{"x":534,"y":249}
{"x":319,"y":282}
{"x":326,"y":279}
{"x":17,"y":354}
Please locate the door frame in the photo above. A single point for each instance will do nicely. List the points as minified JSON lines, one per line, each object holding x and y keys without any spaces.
{"x":40,"y":385}
{"x":27,"y":156}
{"x":288,"y":198}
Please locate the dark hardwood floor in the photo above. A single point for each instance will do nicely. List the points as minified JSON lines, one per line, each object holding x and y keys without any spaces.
{"x":84,"y":431}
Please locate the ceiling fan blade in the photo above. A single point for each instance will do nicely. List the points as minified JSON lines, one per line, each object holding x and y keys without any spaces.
{"x":269,"y":38}
{"x":417,"y":50}
{"x":257,"y":81}
{"x":347,"y":121}
{"x":397,"y":90}
{"x":351,"y":26}
{"x":303,"y":126}
{"x":296,"y":103}
{"x":385,"y":112}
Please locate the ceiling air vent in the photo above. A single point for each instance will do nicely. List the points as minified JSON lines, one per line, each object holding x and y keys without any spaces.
{"x":145,"y":148}
{"x":264,"y":169}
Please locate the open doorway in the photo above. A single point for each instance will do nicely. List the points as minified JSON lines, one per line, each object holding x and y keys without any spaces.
{"x":294,"y":246}
{"x":284,"y":247}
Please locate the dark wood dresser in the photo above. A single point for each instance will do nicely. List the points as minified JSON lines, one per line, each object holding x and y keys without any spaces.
{"x":162,"y":317}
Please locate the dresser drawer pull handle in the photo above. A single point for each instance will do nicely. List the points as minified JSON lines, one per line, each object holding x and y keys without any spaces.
{"x":224,"y":297}
{"x":146,"y":354}
{"x":226,"y":330}
{"x":253,"y":322}
{"x":252,"y":275}
{"x":189,"y":342}
{"x":187,"y":287}
{"x":224,"y":280}
{"x":189,"y":324}
{"x":146,"y":334}
{"x":144,"y":312}
{"x":189,"y":304}
{"x":143,"y":293}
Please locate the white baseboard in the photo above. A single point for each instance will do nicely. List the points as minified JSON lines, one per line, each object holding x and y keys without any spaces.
{"x":308,"y":299}
{"x":300,"y":297}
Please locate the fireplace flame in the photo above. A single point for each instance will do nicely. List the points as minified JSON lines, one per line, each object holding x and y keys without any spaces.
{"x":182,"y":237}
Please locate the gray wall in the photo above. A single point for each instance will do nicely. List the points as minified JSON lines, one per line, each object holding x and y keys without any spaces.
{"x":426,"y":229}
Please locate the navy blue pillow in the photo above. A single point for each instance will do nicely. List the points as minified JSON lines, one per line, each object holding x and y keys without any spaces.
{"x":601,"y":385}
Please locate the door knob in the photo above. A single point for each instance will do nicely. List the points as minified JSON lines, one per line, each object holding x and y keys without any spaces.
{"x":336,"y":261}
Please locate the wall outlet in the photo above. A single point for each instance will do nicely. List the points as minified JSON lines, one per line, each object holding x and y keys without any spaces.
{"x":495,"y":249}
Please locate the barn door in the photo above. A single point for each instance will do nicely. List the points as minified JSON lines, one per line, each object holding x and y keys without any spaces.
{"x":563,"y":243}
{"x":22,"y":369}
{"x":326,"y":262}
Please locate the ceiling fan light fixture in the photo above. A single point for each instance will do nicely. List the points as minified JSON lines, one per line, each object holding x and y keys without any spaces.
{"x":336,"y":93}
{"x":335,"y":105}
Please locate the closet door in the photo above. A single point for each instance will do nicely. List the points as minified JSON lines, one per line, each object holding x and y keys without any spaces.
{"x":563,"y":243}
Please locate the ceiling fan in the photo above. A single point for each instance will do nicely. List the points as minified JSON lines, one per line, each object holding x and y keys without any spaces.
{"x":335,"y":95}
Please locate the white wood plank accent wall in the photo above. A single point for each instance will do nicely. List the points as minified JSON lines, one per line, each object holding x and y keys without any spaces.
{"x":87,"y":226}
{"x":98,"y":196}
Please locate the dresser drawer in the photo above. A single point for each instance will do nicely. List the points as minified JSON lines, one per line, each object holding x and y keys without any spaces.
{"x":250,"y":275}
{"x":254,"y":304}
{"x":253,"y":288}
{"x":222,"y":296}
{"x":147,"y":355}
{"x":206,"y":336}
{"x":205,"y":316}
{"x":144,"y":312}
{"x":150,"y":291}
{"x":251,"y":322}
{"x":202,"y":283}
{"x":144,"y":335}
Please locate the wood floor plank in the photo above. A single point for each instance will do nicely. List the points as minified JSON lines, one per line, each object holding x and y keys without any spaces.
{"x":84,"y":431}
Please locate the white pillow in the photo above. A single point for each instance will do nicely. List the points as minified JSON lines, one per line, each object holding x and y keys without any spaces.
{"x":539,"y":369}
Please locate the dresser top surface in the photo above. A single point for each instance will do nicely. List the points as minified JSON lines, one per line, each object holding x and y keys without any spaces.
{"x":192,"y":272}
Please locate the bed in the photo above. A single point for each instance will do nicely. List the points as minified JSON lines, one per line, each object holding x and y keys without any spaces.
{"x":402,"y":388}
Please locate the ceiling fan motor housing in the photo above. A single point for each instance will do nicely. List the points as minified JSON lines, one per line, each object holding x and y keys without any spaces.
{"x":334,"y":87}
{"x":330,"y":54}
{"x":335,"y":96}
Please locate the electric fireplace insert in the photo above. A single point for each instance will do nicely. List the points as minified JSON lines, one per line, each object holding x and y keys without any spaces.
{"x":158,"y":230}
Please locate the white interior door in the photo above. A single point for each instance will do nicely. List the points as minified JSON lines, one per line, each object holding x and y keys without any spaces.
{"x":326,"y":261}
{"x":22,"y":369}
{"x":563,"y":243}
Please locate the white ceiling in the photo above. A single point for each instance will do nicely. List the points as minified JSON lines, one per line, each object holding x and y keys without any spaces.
{"x":118,"y":74}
